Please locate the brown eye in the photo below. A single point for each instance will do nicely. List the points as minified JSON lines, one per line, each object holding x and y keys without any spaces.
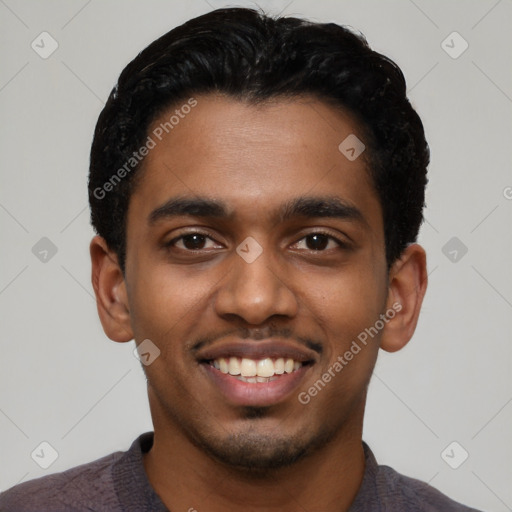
{"x":194,"y":241}
{"x":319,"y":242}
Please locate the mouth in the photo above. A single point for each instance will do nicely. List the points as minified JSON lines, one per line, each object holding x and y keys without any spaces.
{"x":256,"y":371}
{"x":256,"y":374}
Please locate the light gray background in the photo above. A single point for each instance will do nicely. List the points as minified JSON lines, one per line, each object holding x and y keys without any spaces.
{"x":62,"y":381}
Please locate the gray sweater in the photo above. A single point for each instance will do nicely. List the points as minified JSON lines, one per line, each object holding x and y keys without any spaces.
{"x":118,"y":483}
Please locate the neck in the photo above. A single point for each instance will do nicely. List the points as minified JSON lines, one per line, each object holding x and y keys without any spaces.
{"x":186,"y":478}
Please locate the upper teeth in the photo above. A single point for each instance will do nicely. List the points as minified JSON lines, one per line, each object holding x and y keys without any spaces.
{"x":256,"y":368}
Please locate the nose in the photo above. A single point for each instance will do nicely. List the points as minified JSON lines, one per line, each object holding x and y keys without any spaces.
{"x":255,"y":291}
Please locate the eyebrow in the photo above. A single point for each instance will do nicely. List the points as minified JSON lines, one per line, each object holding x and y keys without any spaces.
{"x":304,"y":206}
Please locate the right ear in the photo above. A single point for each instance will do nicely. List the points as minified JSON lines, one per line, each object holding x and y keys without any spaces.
{"x":110,"y":290}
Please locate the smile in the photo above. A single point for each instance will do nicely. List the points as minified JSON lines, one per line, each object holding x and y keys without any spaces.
{"x":260,"y":374}
{"x":256,"y":371}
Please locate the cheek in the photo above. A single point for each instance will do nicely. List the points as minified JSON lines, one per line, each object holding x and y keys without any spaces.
{"x":343,"y":307}
{"x":344,"y":302}
{"x":163,"y":301}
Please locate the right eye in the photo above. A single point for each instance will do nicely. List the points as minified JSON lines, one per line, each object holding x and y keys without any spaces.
{"x":192,"y":241}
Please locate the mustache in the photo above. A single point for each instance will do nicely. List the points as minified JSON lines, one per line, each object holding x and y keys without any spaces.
{"x":257,"y":334}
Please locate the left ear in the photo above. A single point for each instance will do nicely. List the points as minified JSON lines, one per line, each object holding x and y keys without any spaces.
{"x":407,"y":287}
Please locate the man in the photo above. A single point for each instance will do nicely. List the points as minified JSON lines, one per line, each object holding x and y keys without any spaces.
{"x":257,"y":187}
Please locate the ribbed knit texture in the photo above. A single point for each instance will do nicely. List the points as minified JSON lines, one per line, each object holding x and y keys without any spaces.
{"x":118,"y":483}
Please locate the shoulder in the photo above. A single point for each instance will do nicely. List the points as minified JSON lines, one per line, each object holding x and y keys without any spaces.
{"x":413,"y":494}
{"x":385,"y":490}
{"x":66,"y":491}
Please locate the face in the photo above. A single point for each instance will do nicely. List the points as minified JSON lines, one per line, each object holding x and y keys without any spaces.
{"x":255,"y":258}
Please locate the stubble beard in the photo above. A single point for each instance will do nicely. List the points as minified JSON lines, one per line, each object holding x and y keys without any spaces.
{"x":257,"y":453}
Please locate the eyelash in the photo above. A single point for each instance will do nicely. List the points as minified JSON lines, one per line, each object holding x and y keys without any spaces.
{"x":340,"y":243}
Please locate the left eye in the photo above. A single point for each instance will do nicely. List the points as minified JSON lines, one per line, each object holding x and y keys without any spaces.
{"x":319,"y":241}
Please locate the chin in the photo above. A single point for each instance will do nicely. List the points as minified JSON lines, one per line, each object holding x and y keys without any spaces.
{"x":259,"y":452}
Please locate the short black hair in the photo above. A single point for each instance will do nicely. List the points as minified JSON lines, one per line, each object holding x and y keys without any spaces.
{"x":251,"y":56}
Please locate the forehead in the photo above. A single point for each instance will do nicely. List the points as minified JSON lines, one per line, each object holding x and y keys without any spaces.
{"x":253,"y":157}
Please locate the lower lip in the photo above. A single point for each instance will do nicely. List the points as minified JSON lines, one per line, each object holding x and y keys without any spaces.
{"x":258,"y":394}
